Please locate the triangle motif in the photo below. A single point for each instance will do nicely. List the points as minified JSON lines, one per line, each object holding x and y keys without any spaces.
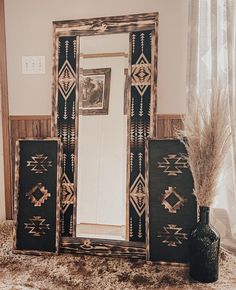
{"x":137,"y":194}
{"x":66,"y":79}
{"x":141,"y":74}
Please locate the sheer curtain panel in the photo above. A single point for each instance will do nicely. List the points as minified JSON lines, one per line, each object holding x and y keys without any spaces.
{"x":211,"y":68}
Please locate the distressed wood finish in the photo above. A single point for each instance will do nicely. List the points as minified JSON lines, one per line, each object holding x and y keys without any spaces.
{"x":104,"y":25}
{"x":24,"y":127}
{"x":5,"y":114}
{"x":147,"y":199}
{"x":36,"y":253}
{"x":167,"y":124}
{"x":184,"y":215}
{"x":16,"y":197}
{"x":71,"y":31}
{"x":100,"y":247}
{"x":141,"y":119}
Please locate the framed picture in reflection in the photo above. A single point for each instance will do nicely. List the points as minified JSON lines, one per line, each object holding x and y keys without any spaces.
{"x":94,"y":91}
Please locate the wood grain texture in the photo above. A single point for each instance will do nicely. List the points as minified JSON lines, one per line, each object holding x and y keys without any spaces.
{"x":5,"y":113}
{"x":100,"y":247}
{"x":24,"y":127}
{"x":176,"y":216}
{"x":17,"y":161}
{"x":104,"y":25}
{"x":166,"y":125}
{"x":73,"y":29}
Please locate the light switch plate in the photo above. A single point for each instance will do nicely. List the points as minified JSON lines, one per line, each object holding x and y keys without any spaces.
{"x":33,"y":64}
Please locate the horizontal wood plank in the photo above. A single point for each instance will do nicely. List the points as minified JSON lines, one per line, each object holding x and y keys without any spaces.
{"x":167,"y":125}
{"x":99,"y":247}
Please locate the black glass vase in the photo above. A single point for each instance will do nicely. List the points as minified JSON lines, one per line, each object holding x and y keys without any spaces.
{"x":204,"y":250}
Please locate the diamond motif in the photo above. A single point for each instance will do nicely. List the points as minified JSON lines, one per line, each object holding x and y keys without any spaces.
{"x":38,"y":194}
{"x":172,"y":235}
{"x":39,"y":163}
{"x":37,"y":227}
{"x":66,"y":79}
{"x":172,"y":200}
{"x":141,"y":74}
{"x":67,"y":193}
{"x":137,"y":194}
{"x":172,"y":165}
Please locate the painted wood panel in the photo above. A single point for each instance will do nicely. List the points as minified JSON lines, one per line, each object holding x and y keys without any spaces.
{"x":172,"y":211}
{"x":23,"y":127}
{"x":143,"y":57}
{"x":37,"y":195}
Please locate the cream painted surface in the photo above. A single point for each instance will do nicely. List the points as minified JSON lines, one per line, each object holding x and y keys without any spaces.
{"x":29,"y":32}
{"x":103,"y":142}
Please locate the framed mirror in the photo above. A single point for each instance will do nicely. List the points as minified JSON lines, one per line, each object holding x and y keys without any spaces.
{"x":104,"y":109}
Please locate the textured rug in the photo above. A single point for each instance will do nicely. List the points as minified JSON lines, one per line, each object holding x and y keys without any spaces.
{"x":86,"y":272}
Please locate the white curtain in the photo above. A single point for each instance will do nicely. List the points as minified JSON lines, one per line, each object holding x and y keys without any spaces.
{"x":212,"y":66}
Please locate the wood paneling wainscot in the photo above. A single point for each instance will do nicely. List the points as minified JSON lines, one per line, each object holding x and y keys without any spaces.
{"x":167,"y":125}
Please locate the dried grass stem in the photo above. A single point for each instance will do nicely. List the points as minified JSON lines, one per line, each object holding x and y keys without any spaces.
{"x":206,"y":136}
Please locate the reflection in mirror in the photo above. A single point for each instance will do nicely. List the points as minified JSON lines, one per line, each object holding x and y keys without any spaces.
{"x":102,"y":148}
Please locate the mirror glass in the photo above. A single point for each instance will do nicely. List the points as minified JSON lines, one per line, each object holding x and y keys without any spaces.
{"x":102,"y":146}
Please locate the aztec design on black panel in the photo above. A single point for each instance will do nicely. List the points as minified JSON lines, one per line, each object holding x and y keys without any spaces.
{"x":141,"y":71}
{"x":39,"y":163}
{"x":67,"y":193}
{"x":172,"y":200}
{"x":172,"y":235}
{"x":38,"y":194}
{"x":137,"y":195}
{"x":66,"y":118}
{"x":37,"y":226}
{"x":66,"y":79}
{"x":173,"y":164}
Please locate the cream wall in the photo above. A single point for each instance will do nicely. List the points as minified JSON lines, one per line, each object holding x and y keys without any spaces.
{"x":29,"y":32}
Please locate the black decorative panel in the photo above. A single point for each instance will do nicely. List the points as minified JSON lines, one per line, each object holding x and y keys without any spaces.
{"x":37,"y":195}
{"x":141,"y":72}
{"x":66,"y":124}
{"x":172,"y":211}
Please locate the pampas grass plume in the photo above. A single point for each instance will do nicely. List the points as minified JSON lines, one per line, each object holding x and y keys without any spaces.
{"x":206,"y":135}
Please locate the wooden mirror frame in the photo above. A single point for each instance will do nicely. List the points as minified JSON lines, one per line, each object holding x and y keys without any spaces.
{"x":142,"y":73}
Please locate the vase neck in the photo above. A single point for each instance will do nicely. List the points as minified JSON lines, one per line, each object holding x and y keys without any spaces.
{"x":204,"y":214}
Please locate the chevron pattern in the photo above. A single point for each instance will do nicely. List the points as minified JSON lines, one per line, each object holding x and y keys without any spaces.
{"x":66,"y":118}
{"x":141,"y":71}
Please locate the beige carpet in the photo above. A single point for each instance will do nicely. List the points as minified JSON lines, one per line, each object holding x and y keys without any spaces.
{"x":85,"y":272}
